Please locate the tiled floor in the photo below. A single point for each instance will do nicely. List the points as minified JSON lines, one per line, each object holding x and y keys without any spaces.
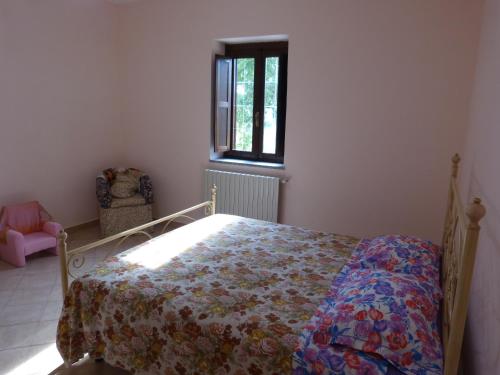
{"x":30,"y":304}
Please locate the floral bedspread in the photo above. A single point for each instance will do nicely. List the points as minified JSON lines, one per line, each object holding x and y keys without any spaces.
{"x":223,"y":295}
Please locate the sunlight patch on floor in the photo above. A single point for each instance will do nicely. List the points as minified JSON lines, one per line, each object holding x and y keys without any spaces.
{"x":43,"y":362}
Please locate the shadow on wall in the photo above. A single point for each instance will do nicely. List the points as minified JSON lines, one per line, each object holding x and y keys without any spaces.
{"x":492,"y":218}
{"x":17,"y":197}
{"x":480,"y":340}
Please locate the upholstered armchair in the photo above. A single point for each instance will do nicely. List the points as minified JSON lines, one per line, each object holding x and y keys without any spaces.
{"x":25,"y":229}
{"x":125,"y":199}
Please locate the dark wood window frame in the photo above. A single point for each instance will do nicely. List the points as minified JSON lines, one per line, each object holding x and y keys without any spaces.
{"x":258,"y":51}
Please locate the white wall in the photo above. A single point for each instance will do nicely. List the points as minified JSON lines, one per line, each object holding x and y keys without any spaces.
{"x":58,"y":103}
{"x":481,"y":177}
{"x":377,"y":103}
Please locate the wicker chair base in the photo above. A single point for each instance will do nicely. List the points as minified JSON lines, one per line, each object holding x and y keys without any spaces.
{"x":116,"y":220}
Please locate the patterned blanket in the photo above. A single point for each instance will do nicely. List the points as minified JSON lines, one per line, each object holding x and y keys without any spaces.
{"x":223,"y":295}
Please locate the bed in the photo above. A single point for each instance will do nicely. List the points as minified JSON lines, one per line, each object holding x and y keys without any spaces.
{"x":232,"y":295}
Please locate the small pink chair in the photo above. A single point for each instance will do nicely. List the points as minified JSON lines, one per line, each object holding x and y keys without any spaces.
{"x":26,"y":229}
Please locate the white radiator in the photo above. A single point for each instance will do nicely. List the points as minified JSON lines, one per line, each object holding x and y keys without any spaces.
{"x":244,"y":194}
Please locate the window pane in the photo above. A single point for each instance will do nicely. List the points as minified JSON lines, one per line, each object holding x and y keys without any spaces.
{"x":270,"y":105}
{"x":245,"y":69}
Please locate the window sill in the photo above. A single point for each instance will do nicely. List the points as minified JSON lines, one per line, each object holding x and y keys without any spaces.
{"x":249,"y":163}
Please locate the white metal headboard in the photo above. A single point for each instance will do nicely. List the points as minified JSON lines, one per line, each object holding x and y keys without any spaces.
{"x":460,"y":238}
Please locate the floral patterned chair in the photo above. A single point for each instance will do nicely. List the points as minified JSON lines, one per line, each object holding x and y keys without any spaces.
{"x":26,"y":229}
{"x":125,"y":199}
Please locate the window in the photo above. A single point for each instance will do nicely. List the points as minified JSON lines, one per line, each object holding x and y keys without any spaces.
{"x":250,"y":101}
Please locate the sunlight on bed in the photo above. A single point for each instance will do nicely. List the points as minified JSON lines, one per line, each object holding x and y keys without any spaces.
{"x":43,"y":362}
{"x":161,"y":250}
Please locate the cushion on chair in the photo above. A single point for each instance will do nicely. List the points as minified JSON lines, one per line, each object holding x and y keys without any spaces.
{"x":146,"y":188}
{"x":136,"y":200}
{"x":23,"y":218}
{"x":124,"y":186}
{"x":103,"y":191}
{"x":38,"y":241}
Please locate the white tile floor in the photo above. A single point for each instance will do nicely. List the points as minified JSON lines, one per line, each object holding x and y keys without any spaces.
{"x":30,"y":304}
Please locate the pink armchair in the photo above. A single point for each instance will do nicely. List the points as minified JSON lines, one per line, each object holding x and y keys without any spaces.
{"x":26,"y":229}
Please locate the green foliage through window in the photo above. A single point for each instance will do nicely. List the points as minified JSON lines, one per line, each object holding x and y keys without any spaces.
{"x":245,"y":71}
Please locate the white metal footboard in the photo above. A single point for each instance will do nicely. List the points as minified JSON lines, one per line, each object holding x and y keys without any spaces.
{"x":76,"y":259}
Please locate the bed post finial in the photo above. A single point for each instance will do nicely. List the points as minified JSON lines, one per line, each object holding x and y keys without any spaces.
{"x":62,"y":248}
{"x":455,"y":161}
{"x":214,"y":198}
{"x":475,"y":212}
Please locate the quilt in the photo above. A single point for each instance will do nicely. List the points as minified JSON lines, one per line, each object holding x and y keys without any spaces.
{"x":223,"y":295}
